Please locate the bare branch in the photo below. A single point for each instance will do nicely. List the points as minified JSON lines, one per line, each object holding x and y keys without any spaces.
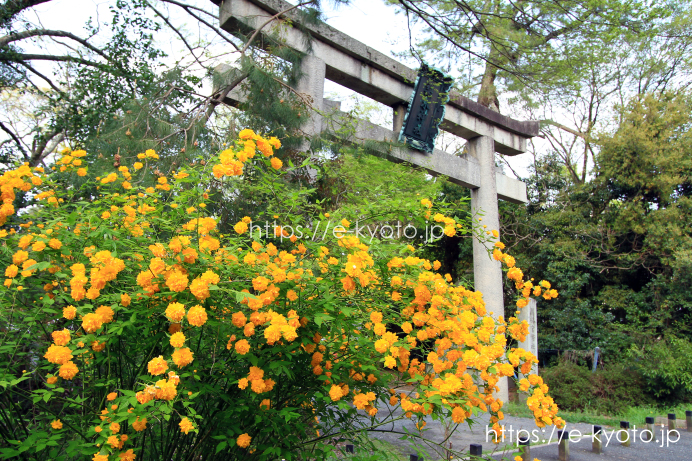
{"x":7,"y":39}
{"x":38,"y":156}
{"x":177,"y":32}
{"x":15,"y":139}
{"x":566,"y":128}
{"x":52,"y":85}
{"x":188,"y":9}
{"x":268,"y":21}
{"x":40,"y":150}
{"x":408,"y":6}
{"x":48,"y":57}
{"x":504,"y":160}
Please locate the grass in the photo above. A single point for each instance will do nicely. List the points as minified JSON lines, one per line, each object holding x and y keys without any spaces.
{"x":383,"y":450}
{"x":635,"y":415}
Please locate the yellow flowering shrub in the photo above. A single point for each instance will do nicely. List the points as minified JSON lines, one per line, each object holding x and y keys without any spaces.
{"x":156,"y":336}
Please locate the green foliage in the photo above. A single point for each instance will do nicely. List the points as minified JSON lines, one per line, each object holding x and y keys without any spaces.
{"x":610,"y":390}
{"x":666,"y":367}
{"x":619,"y":245}
{"x":531,"y":48}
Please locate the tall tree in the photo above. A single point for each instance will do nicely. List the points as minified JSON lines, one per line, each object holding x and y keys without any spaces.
{"x":526,"y":43}
{"x":618,"y":246}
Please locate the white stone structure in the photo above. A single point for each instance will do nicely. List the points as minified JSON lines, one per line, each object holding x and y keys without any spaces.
{"x":337,"y":57}
{"x":530,"y":313}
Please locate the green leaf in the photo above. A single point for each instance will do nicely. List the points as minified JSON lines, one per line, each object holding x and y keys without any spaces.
{"x":239,"y":296}
{"x":320,"y":318}
{"x":72,"y":218}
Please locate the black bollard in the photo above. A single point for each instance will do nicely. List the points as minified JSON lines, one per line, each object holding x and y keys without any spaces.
{"x":688,"y":418}
{"x":525,"y":449}
{"x":625,"y":426}
{"x":650,"y":430}
{"x":563,"y":445}
{"x":671,"y":421}
{"x":596,"y":443}
{"x":476,"y":450}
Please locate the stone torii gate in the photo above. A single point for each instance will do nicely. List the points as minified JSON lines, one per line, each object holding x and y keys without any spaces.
{"x":337,"y":57}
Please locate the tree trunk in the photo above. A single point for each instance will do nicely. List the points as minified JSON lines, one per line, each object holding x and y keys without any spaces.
{"x":487,"y":95}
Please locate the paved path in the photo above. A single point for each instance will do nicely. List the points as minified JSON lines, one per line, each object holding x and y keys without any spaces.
{"x":674,"y":449}
{"x":464,"y":435}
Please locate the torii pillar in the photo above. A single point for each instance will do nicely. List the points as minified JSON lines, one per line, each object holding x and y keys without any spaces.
{"x":487,"y":272}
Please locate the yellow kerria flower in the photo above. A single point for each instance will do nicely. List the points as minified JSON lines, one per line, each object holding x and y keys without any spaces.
{"x":240,"y":227}
{"x":157,"y":366}
{"x":92,"y":322}
{"x":243,"y":440}
{"x":139,"y":425}
{"x":242,"y":347}
{"x":175,"y":312}
{"x":177,"y":339}
{"x":186,"y":426}
{"x":58,"y":354}
{"x":68,"y":370}
{"x":197,"y":316}
{"x":69,"y":312}
{"x":182,"y":357}
{"x":276,"y":163}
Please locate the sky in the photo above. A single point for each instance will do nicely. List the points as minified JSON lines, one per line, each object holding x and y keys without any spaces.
{"x":369,"y":21}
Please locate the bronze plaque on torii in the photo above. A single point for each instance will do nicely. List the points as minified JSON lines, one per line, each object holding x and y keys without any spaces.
{"x":426,"y":109}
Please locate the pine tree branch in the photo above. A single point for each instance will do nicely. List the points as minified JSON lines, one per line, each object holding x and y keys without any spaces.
{"x":219,"y":97}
